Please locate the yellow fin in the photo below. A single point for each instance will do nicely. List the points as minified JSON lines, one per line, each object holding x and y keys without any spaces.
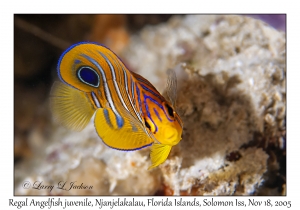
{"x":122,"y":132}
{"x":70,"y":106}
{"x":159,"y":154}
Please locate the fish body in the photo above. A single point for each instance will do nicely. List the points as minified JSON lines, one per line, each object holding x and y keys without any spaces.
{"x":129,"y":112}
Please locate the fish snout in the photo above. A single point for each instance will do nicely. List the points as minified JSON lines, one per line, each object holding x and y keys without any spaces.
{"x":172,"y":136}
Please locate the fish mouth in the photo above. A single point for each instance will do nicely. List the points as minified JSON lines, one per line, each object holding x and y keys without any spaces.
{"x":170,"y":133}
{"x":171,"y":137}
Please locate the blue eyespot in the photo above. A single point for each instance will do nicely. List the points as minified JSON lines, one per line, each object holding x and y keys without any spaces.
{"x":88,"y":76}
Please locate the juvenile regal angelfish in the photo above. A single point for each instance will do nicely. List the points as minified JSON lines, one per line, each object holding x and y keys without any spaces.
{"x":129,"y":112}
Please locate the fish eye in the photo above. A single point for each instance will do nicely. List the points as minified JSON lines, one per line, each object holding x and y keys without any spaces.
{"x":88,"y":76}
{"x":170,"y":110}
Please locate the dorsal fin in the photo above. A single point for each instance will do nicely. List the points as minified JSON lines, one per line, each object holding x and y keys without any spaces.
{"x":143,"y":81}
{"x":146,"y":85}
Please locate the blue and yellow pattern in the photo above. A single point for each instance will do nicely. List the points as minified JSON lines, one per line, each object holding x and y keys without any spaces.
{"x":129,"y":112}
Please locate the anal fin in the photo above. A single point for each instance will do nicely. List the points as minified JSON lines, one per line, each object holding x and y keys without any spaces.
{"x":123,"y":131}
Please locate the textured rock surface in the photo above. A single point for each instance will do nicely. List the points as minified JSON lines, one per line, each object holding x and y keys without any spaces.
{"x":231,"y":97}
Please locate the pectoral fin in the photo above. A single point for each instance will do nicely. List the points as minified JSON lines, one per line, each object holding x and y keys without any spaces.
{"x":122,"y":131}
{"x":159,"y":154}
{"x":171,"y":88}
{"x":70,"y":106}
